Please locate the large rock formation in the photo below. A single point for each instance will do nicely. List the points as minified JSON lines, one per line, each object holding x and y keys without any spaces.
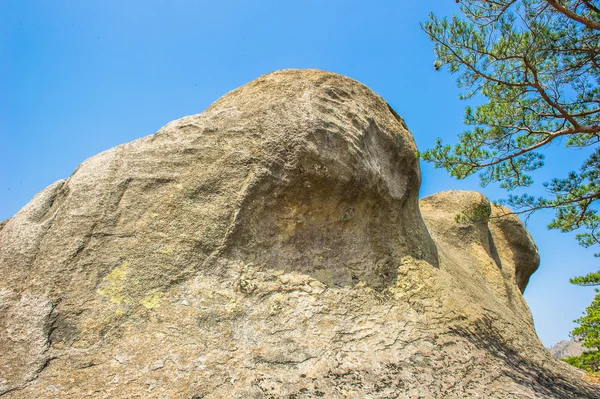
{"x":270,"y":247}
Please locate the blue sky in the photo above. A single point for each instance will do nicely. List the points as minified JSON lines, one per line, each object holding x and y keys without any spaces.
{"x":79,"y":77}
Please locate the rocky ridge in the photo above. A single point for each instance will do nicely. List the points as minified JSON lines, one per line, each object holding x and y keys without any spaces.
{"x":565,"y":349}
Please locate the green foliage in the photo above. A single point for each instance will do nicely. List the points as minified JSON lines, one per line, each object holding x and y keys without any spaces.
{"x":589,"y":326}
{"x":588,"y":330}
{"x":476,"y":213}
{"x":588,"y":280}
{"x":537,"y":62}
{"x":588,"y":361}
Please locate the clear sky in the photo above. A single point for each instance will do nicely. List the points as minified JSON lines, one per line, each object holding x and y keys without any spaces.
{"x":79,"y":77}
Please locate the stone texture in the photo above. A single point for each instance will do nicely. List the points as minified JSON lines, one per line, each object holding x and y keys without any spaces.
{"x":270,"y":247}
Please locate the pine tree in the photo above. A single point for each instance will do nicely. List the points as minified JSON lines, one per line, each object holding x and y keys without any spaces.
{"x":588,"y":331}
{"x":537,"y":62}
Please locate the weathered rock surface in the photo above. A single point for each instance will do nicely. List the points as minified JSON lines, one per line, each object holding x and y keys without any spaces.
{"x":270,"y":247}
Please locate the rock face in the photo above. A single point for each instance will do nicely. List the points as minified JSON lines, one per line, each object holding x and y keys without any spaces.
{"x":270,"y":247}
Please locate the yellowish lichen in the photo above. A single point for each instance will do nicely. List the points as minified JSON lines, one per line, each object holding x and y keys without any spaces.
{"x":152,"y":301}
{"x":114,"y":285}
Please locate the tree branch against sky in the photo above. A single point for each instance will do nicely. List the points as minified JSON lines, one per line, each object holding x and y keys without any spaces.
{"x":537,"y":62}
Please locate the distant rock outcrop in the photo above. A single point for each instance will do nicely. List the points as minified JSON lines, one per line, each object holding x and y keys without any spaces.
{"x":566,"y":348}
{"x":270,"y":247}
